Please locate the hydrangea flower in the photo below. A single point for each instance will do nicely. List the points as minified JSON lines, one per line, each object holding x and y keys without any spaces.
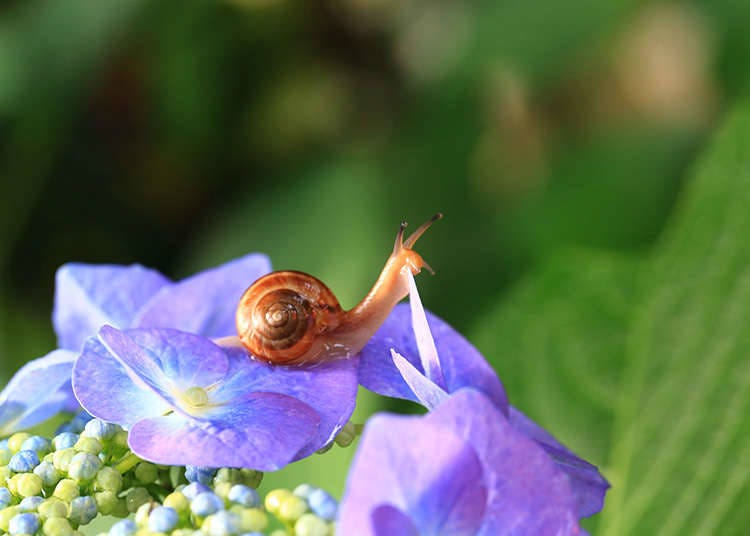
{"x":89,"y":296}
{"x":188,"y":401}
{"x":416,"y":356}
{"x":485,"y":478}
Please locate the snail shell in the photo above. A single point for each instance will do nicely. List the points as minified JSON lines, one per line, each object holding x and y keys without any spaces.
{"x":282,"y":315}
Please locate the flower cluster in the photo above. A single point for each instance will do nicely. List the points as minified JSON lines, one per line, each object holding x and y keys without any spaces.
{"x":170,"y":399}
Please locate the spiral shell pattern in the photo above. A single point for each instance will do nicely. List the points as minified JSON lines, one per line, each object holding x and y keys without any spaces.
{"x":280,"y":316}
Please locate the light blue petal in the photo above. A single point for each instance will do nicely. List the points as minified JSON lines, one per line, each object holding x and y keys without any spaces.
{"x":107,"y":390}
{"x":89,"y":296}
{"x":206,"y":302}
{"x":36,"y":392}
{"x":263,"y":432}
{"x":428,"y":394}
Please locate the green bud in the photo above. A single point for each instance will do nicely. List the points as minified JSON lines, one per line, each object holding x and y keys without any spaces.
{"x":310,"y":525}
{"x":226,"y":474}
{"x":279,"y":532}
{"x":177,"y":501}
{"x":28,"y":484}
{"x":12,"y":484}
{"x":120,"y":440}
{"x":5,"y":456}
{"x":136,"y":497}
{"x":67,"y":490}
{"x":108,"y":479}
{"x":57,"y":526}
{"x":120,"y":509}
{"x":106,"y":501}
{"x":346,"y":435}
{"x":252,"y":519}
{"x":291,"y":508}
{"x":6,"y":514}
{"x":146,"y":473}
{"x":222,"y":489}
{"x":53,"y":507}
{"x":16,"y":440}
{"x":5,"y":474}
{"x":88,"y":444}
{"x":274,"y":498}
{"x":251,"y":477}
{"x":61,"y":459}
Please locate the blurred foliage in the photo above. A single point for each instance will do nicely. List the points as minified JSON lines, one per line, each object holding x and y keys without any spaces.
{"x":180,"y":135}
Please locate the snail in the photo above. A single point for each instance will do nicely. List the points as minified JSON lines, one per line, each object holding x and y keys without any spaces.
{"x":292,"y":318}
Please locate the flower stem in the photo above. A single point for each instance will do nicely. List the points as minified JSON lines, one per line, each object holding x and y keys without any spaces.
{"x":127,"y":463}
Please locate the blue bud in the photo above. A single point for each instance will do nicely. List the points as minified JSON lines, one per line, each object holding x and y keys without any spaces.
{"x":30,"y":504}
{"x":192,"y":490}
{"x":303,"y":491}
{"x":24,"y":524}
{"x":64,"y":428}
{"x":222,"y":524}
{"x":4,"y":444}
{"x":82,"y":510}
{"x":5,"y":497}
{"x":162,"y":519}
{"x":206,"y":503}
{"x":126,"y":527}
{"x":47,"y":472}
{"x":204,"y":475}
{"x":244,"y":495}
{"x":38,"y":444}
{"x":323,"y":504}
{"x":84,"y":466}
{"x":23,"y":461}
{"x":99,"y":429}
{"x":79,"y":422}
{"x":64,"y":440}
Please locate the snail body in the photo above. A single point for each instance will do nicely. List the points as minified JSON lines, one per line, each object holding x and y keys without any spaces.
{"x":293,"y":318}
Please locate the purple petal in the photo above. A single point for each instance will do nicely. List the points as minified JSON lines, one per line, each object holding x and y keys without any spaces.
{"x":38,"y":391}
{"x":441,"y":492}
{"x":329,"y":388}
{"x":106,"y":390}
{"x":206,"y":302}
{"x":428,"y":394}
{"x":462,"y":365}
{"x":387,"y":520}
{"x":89,"y":296}
{"x":589,"y":486}
{"x":264,"y":432}
{"x":528,"y":494}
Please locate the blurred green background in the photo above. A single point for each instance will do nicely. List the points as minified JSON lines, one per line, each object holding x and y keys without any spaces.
{"x":183,"y":134}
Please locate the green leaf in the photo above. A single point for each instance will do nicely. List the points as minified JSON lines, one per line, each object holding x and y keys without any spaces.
{"x":557,"y":342}
{"x":644,"y":363}
{"x":680,"y":453}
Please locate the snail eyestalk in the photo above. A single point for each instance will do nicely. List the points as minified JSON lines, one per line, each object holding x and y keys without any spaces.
{"x":409,"y":243}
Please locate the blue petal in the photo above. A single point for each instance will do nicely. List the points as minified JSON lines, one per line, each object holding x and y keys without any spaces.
{"x":263,"y":432}
{"x":428,"y":394}
{"x":89,"y":296}
{"x":387,"y":520}
{"x":398,"y":463}
{"x":329,"y":388}
{"x":36,"y":392}
{"x":589,"y":486}
{"x":206,"y":302}
{"x":528,"y":494}
{"x":107,"y":390}
{"x":462,"y":365}
{"x":168,"y":357}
